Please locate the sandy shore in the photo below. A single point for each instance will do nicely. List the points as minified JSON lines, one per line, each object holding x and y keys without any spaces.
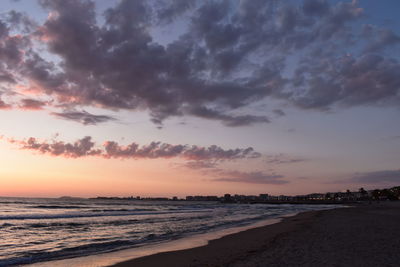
{"x":365,"y":235}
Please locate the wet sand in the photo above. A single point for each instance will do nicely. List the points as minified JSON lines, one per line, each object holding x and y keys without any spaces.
{"x":364,"y":235}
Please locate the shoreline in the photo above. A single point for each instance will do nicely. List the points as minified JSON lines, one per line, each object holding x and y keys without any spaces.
{"x":358,"y":236}
{"x":113,"y":258}
{"x":192,"y":256}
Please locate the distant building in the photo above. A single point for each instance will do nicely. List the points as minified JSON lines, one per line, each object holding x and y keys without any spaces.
{"x":228,"y":198}
{"x":316,"y":196}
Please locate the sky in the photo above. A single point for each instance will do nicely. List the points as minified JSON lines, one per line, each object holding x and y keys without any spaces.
{"x":185,"y":97}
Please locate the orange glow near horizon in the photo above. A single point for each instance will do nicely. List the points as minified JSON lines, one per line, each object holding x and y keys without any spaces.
{"x":28,"y":174}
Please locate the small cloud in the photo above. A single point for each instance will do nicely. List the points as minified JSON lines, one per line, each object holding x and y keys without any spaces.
{"x":303,"y":178}
{"x":32,"y":104}
{"x":203,"y":164}
{"x":4,"y":105}
{"x":282,"y":159}
{"x":228,"y":120}
{"x":80,"y":148}
{"x":83,"y":117}
{"x":256,"y":177}
{"x":279,"y":112}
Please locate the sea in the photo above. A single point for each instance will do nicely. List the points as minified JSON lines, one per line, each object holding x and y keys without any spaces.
{"x":35,"y":230}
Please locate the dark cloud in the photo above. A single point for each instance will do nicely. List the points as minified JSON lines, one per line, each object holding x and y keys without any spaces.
{"x":377,"y":177}
{"x":282,"y":159}
{"x":32,"y":104}
{"x":20,"y":21}
{"x":228,"y":120}
{"x":334,"y":22}
{"x":348,"y":81}
{"x":82,"y":147}
{"x":163,"y":150}
{"x":6,"y":77}
{"x":228,"y":56}
{"x":168,"y":11}
{"x":11,"y":50}
{"x":279,"y":112}
{"x":316,"y":7}
{"x":380,"y":38}
{"x":250,"y":177}
{"x":111,"y":149}
{"x":83,"y":117}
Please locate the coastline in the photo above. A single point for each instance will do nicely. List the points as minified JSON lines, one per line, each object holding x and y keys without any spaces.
{"x":363,"y":235}
{"x":218,"y":251}
{"x":193,"y":241}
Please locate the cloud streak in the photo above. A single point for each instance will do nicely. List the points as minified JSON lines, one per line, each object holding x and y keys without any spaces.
{"x":282,"y":159}
{"x":377,"y":177}
{"x":86,"y":147}
{"x":83,"y":117}
{"x":32,"y":104}
{"x":256,"y":177}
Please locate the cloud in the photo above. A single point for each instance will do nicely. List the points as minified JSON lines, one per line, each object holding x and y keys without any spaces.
{"x":282,"y":159}
{"x":348,"y":81}
{"x":32,"y":104}
{"x":83,"y":117}
{"x":206,"y":164}
{"x":316,"y":7}
{"x":163,"y":150}
{"x":279,"y":112}
{"x":168,"y":11}
{"x":228,"y":56}
{"x":380,"y":38}
{"x":256,"y":177}
{"x":19,"y":20}
{"x":110,"y":149}
{"x":200,"y":165}
{"x":4,"y":105}
{"x":228,"y":120}
{"x":80,"y":148}
{"x":377,"y":177}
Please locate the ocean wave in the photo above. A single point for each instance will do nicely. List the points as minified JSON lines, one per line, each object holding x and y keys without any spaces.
{"x":13,"y":202}
{"x":112,"y":210}
{"x":79,"y":251}
{"x":87,"y":249}
{"x":55,"y":207}
{"x":93,"y":224}
{"x":87,"y":214}
{"x":42,"y":225}
{"x":103,"y":227}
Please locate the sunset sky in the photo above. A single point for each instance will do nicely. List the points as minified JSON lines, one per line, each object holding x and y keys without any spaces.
{"x":184,"y":97}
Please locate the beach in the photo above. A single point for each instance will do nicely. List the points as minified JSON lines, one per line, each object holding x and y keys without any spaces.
{"x":361,"y":235}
